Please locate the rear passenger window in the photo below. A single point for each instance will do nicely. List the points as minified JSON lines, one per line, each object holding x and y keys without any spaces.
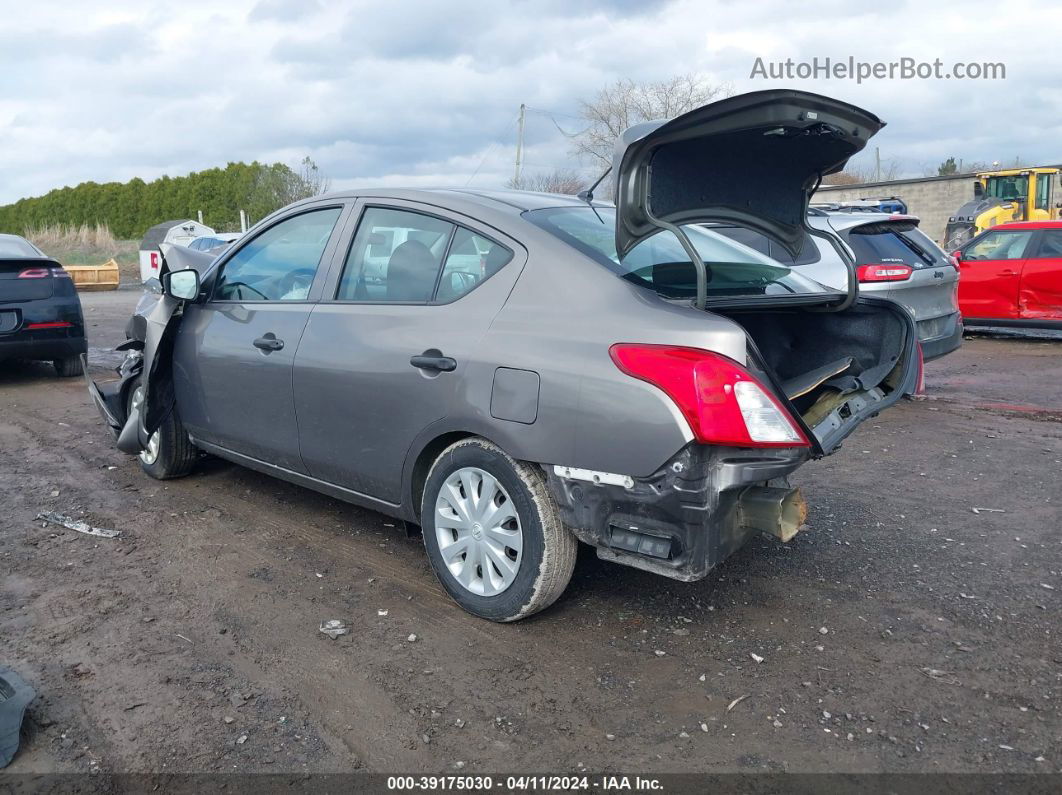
{"x":398,"y":256}
{"x":472,"y":259}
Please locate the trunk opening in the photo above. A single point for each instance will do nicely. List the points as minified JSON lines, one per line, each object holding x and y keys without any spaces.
{"x":835,"y":369}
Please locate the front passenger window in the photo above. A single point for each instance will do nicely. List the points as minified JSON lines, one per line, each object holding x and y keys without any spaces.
{"x":281,"y":262}
{"x":999,"y":246}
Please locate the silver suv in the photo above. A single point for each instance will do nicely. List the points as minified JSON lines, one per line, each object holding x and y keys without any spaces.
{"x":894,"y":259}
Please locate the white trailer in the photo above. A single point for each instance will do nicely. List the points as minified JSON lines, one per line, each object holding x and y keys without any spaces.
{"x":179,"y":233}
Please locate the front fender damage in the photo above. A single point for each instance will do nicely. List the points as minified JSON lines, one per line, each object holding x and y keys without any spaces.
{"x":152,"y":366}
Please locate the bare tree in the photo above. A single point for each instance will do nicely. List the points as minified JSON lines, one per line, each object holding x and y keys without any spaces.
{"x":625,"y":103}
{"x":560,"y":180}
{"x":311,"y":180}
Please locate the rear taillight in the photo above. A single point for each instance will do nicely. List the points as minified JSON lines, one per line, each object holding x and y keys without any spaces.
{"x":52,"y":324}
{"x":883,"y":273}
{"x":953,"y":260}
{"x":721,"y":400}
{"x":35,"y":273}
{"x":154,"y":260}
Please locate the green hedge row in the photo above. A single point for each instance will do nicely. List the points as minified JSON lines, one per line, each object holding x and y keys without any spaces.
{"x":130,"y":208}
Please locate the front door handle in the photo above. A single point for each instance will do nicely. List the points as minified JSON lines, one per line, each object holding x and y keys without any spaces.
{"x":269,"y":342}
{"x":433,"y":360}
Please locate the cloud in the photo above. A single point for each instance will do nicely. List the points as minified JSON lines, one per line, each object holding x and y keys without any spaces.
{"x":406,"y":93}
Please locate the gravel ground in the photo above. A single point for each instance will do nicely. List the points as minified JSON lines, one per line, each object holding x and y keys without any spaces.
{"x":901,"y":631}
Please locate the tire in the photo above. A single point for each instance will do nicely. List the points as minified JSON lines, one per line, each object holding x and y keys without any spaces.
{"x":68,"y":367}
{"x":170,"y":452}
{"x":544,"y":555}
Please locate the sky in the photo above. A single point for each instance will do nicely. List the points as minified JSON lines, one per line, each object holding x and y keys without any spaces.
{"x":425,"y":92}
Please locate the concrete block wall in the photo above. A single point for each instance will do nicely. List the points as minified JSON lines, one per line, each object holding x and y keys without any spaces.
{"x":933,"y":199}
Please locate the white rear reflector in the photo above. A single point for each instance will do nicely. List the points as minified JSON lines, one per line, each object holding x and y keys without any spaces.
{"x":764,"y":420}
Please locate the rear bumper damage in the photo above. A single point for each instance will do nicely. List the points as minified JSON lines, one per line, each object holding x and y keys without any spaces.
{"x":941,"y":344}
{"x":691,"y":514}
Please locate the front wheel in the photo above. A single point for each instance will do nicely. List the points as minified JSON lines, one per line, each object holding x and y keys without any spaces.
{"x":493,"y":534}
{"x":169,"y":452}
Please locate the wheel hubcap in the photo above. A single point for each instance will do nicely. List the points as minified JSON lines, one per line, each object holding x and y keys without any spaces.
{"x":478,"y":531}
{"x":150,"y":453}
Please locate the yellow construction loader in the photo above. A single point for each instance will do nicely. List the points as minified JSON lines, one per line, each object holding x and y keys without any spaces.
{"x":1018,"y":194}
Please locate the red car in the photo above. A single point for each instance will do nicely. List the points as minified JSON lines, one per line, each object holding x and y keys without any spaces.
{"x":1011,"y":275}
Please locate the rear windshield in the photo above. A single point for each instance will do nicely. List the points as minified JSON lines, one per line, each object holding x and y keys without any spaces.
{"x":879,"y":243}
{"x":17,"y":248}
{"x":809,"y":252}
{"x":661,"y":264}
{"x":924,"y":243}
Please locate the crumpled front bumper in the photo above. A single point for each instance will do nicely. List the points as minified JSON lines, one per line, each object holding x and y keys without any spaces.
{"x":111,"y":398}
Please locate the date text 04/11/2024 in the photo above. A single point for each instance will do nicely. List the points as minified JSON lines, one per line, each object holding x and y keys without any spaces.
{"x":533,"y":783}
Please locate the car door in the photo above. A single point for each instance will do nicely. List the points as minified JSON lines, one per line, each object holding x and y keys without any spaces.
{"x":234,"y":352}
{"x":384,"y":354}
{"x":1040,"y":292}
{"x":990,"y":272}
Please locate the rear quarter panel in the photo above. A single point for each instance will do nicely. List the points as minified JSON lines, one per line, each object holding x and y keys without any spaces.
{"x":559,"y":321}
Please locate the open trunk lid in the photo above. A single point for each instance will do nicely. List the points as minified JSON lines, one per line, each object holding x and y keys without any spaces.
{"x":752,"y":160}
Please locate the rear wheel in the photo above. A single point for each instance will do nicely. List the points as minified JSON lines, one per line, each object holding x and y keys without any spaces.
{"x":493,"y":534}
{"x":68,"y":367}
{"x":169,"y":452}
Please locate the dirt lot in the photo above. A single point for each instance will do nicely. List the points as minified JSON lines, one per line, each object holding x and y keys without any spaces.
{"x":902,"y":631}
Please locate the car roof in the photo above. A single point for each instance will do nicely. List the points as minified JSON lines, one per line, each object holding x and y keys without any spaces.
{"x":1030,"y":225}
{"x":841,"y":221}
{"x":514,"y":201}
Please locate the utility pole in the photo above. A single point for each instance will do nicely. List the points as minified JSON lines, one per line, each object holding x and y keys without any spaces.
{"x":519,"y":144}
{"x":243,"y":221}
{"x":200,"y":213}
{"x":877,"y":158}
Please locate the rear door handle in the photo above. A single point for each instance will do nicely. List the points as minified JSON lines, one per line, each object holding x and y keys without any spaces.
{"x":436,"y":362}
{"x":269,"y":342}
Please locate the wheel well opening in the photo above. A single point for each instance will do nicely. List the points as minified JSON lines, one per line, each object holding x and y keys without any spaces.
{"x":425,"y":460}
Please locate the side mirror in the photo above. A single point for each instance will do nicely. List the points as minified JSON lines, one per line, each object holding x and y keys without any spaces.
{"x":182,"y":285}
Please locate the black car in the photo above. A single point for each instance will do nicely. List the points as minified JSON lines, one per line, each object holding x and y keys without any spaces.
{"x":40,"y":312}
